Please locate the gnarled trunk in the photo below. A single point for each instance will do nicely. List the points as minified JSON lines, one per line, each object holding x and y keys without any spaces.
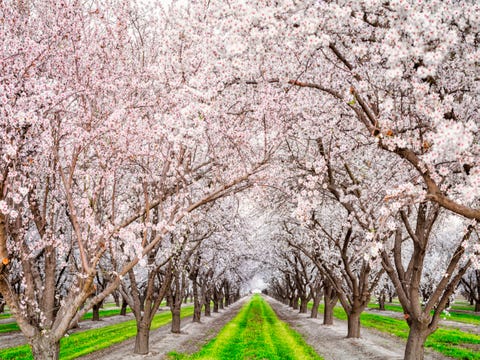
{"x":44,"y":348}
{"x":142,"y":338}
{"x":353,"y":323}
{"x":416,"y":341}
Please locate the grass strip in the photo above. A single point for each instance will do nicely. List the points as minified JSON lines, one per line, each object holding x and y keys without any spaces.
{"x":255,"y":333}
{"x":86,"y":342}
{"x":454,"y":316}
{"x":450,"y":342}
{"x":8,"y":327}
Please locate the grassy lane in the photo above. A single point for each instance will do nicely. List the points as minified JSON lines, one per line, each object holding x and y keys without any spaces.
{"x":255,"y":333}
{"x":450,"y":342}
{"x":86,"y":342}
{"x":466,"y":318}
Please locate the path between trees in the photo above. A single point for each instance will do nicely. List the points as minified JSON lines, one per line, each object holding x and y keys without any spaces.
{"x":330,"y":341}
{"x":192,"y":338}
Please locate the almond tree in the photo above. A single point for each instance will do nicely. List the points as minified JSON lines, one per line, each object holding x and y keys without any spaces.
{"x":86,"y":128}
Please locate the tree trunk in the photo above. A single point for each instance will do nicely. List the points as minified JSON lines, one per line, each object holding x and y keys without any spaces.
{"x":353,"y":325}
{"x":142,"y":338}
{"x":477,"y":306}
{"x":208,"y":309}
{"x":96,"y":312}
{"x":123,"y":309}
{"x":2,"y":307}
{"x":215,"y":305}
{"x":381,"y":301}
{"x":295,"y":303}
{"x":316,"y":304}
{"x":328,"y":308}
{"x":176,"y":321}
{"x":303,"y":305}
{"x":116,"y":298}
{"x":43,"y":348}
{"x":416,"y":340}
{"x":220,"y":303}
{"x":197,"y":305}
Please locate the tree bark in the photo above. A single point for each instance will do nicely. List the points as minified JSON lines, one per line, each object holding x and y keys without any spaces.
{"x":353,"y":324}
{"x":197,"y":304}
{"x":96,"y":312}
{"x":330,"y":302}
{"x":208,"y":308}
{"x":123,"y":309}
{"x":316,"y":304}
{"x":142,"y":338}
{"x":295,"y":303}
{"x":416,"y":341}
{"x":176,"y":321}
{"x":381,"y":301}
{"x":477,"y":306}
{"x":44,"y":348}
{"x":303,"y":305}
{"x":116,"y":298}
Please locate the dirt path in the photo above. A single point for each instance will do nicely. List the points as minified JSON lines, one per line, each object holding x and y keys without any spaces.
{"x":192,"y":338}
{"x":330,"y":341}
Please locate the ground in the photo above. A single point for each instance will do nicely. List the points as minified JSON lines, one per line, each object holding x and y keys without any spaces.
{"x":328,"y":341}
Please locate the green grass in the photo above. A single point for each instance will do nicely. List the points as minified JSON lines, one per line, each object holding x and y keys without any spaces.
{"x":8,"y":327}
{"x":104,"y":313}
{"x":450,"y":342}
{"x":255,"y":333}
{"x":88,"y":316}
{"x":5,"y":316}
{"x":467,"y":318}
{"x":86,"y":342}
